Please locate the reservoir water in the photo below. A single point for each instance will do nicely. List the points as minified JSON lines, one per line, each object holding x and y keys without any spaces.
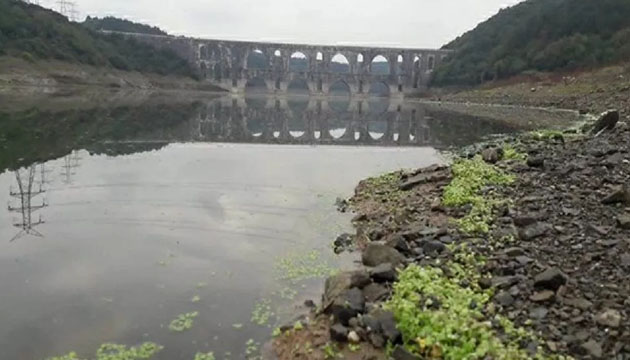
{"x":125,"y":211}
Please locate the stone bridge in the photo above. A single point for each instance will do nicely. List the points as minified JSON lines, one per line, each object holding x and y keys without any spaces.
{"x":233,"y":65}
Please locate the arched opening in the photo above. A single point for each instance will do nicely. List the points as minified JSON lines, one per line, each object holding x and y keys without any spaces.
{"x":203,"y":70}
{"x":255,"y":85}
{"x":339,"y":89}
{"x":298,"y":62}
{"x":203,"y":52}
{"x":298,"y":87}
{"x":359,"y":58}
{"x":416,"y":71}
{"x":256,"y":60}
{"x":320,"y":56}
{"x":431,"y":63}
{"x":277,"y":53}
{"x":216,"y":69}
{"x":379,"y":89}
{"x":339,"y":64}
{"x":379,"y":66}
{"x":400,"y":64}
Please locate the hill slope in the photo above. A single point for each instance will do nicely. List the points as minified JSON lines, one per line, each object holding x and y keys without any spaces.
{"x":32,"y":32}
{"x":539,"y":35}
{"x":115,"y":24}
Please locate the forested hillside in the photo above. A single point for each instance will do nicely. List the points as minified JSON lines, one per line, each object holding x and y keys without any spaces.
{"x":32,"y":32}
{"x":539,"y":35}
{"x":111,"y":23}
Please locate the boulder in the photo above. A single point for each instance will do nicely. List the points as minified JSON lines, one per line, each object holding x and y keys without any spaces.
{"x":339,"y":333}
{"x":399,"y":243}
{"x":375,"y":292}
{"x":383,"y":273}
{"x":593,"y":348}
{"x":623,"y":221}
{"x":400,"y":353}
{"x":619,"y":194}
{"x":535,"y":161}
{"x":609,"y":318}
{"x":533,"y":231}
{"x":551,"y":279}
{"x":492,"y":155}
{"x":388,"y":325}
{"x":376,"y":254}
{"x":338,"y":283}
{"x":607,"y":120}
{"x":347,"y":305}
{"x":423,"y":178}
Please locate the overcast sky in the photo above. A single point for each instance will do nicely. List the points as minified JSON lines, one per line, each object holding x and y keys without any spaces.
{"x":398,"y":23}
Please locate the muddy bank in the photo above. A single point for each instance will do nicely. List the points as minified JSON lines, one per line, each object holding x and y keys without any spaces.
{"x":50,"y":75}
{"x":517,"y":251}
{"x":592,"y":91}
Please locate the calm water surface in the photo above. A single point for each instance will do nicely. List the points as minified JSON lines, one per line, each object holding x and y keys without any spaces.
{"x":119,"y":214}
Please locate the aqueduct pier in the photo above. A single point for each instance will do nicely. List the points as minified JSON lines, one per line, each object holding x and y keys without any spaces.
{"x":232,"y":65}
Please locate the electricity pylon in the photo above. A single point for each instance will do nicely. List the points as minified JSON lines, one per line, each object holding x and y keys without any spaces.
{"x":25,"y":194}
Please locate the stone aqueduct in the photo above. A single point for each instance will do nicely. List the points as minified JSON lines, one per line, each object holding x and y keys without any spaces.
{"x":225,"y":64}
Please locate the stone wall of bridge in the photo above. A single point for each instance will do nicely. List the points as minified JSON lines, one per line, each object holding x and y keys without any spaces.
{"x":225,"y":64}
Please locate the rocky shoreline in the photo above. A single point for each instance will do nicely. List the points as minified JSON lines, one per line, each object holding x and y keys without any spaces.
{"x":518,"y":250}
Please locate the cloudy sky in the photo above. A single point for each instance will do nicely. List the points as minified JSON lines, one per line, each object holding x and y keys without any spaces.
{"x":399,"y":23}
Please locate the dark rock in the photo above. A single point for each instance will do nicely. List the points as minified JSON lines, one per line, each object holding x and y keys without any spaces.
{"x":538,"y":313}
{"x":551,"y":279}
{"x":388,"y":325}
{"x":535,"y":161}
{"x":347,"y":305}
{"x":542,"y":296}
{"x":593,"y":348}
{"x":338,"y":283}
{"x":609,"y":318}
{"x":504,"y":282}
{"x":339,"y":333}
{"x":400,"y":353}
{"x":514,"y":251}
{"x":376,"y":254}
{"x":579,"y":303}
{"x":619,"y":194}
{"x":309,"y":304}
{"x":492,"y":155}
{"x":433,"y":247}
{"x":370,"y":323}
{"x":607,"y":120}
{"x":375,"y":292}
{"x":623,"y":221}
{"x":342,"y":242}
{"x":377,"y":340}
{"x":423,"y":178}
{"x":399,"y":243}
{"x":504,"y":298}
{"x":524,"y":220}
{"x":533,"y":231}
{"x":384,"y":273}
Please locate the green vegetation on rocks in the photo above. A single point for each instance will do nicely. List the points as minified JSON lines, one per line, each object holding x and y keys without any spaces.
{"x":111,"y":351}
{"x":470,"y":177}
{"x":204,"y":356}
{"x":440,"y":319}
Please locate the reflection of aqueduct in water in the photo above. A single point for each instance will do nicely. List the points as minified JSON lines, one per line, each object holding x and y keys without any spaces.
{"x":312,"y":121}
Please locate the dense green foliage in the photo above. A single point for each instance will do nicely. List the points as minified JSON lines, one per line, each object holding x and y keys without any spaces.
{"x":111,"y":23}
{"x":32,"y":32}
{"x":539,"y":35}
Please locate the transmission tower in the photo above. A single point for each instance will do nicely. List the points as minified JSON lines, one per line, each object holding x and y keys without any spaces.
{"x":70,"y":163}
{"x":67,"y":8}
{"x":25,"y":194}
